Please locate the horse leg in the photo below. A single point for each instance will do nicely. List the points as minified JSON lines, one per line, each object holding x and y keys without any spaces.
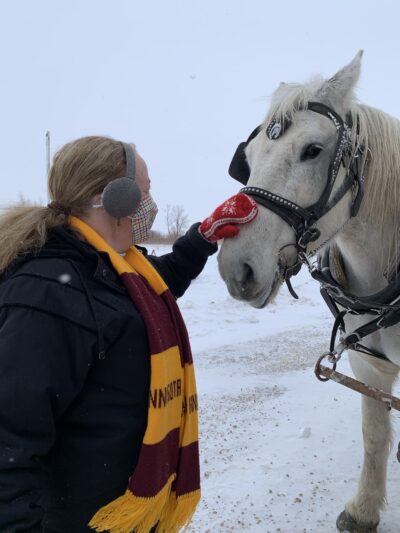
{"x":362,"y":513}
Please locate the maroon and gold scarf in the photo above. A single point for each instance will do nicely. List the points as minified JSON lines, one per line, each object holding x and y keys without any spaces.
{"x":164,"y":488}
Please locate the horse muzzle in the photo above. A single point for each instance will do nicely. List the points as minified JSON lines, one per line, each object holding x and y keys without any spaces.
{"x":243,"y":283}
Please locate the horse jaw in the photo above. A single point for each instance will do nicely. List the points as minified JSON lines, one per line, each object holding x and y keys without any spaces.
{"x":249,"y":263}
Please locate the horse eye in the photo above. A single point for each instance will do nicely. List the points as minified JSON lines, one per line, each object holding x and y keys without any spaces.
{"x":311,"y":152}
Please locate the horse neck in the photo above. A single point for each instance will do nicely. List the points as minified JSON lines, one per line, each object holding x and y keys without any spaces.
{"x":369,"y":243}
{"x":363,"y":253}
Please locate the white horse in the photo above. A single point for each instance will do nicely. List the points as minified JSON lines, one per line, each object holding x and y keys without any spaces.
{"x":295,"y":160}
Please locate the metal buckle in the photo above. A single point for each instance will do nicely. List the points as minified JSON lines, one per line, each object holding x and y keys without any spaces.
{"x":308,"y":235}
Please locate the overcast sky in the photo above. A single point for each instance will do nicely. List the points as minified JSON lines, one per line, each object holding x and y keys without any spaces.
{"x":185,"y":80}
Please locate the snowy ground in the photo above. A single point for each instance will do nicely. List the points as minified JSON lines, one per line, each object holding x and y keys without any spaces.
{"x":280,"y":451}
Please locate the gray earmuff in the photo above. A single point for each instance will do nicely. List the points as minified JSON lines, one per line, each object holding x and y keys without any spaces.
{"x":122,"y":196}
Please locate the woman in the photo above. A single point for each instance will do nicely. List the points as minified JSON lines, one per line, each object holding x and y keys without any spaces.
{"x":98,"y":407}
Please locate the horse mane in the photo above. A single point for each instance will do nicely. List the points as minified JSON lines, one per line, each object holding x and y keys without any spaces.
{"x":380,"y":135}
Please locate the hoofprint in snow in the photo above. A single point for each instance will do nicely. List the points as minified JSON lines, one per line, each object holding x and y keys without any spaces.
{"x":280,"y":451}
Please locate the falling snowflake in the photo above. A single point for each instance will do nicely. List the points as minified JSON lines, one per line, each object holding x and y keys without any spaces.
{"x":64,"y":278}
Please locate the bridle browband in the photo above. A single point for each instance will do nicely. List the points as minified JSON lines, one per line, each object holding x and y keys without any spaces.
{"x":301,"y":219}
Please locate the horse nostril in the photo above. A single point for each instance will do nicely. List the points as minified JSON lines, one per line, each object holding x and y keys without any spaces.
{"x":247,"y":277}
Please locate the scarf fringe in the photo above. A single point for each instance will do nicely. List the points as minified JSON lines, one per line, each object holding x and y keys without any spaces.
{"x":131,"y":513}
{"x":178,"y":512}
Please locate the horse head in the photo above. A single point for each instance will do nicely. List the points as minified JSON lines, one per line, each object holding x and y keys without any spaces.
{"x":300,"y":166}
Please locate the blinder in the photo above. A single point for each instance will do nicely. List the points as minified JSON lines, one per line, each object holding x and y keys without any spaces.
{"x":239,"y":168}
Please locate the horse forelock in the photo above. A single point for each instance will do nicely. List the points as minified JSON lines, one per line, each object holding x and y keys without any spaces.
{"x":291,"y":97}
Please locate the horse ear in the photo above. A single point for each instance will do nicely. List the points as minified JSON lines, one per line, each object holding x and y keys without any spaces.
{"x":338,"y":89}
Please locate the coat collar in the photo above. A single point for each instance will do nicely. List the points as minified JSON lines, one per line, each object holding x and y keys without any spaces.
{"x":64,"y":242}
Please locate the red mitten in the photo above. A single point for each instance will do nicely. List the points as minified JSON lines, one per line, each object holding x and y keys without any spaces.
{"x":238,"y":209}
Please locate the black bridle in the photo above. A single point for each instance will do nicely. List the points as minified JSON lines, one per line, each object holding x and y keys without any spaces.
{"x":301,"y":219}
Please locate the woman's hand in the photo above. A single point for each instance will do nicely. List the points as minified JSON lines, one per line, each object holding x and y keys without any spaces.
{"x":223,"y":222}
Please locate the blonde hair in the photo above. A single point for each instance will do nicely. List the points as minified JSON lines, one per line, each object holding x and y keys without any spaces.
{"x":81,"y":169}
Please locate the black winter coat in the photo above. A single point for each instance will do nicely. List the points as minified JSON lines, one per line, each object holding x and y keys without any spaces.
{"x":74,"y":380}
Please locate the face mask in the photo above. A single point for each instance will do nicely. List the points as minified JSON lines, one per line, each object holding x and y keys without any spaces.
{"x":142,"y":220}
